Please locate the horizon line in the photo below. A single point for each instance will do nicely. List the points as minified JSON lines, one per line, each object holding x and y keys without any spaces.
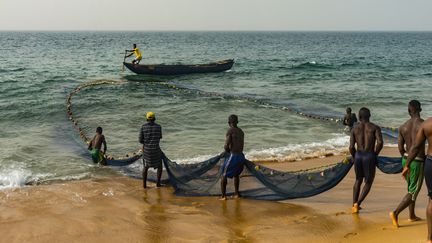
{"x":71,"y":30}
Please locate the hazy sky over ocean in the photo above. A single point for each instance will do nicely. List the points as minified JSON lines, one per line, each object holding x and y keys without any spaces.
{"x":216,"y":15}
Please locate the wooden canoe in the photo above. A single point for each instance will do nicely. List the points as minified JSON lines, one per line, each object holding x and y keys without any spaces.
{"x":162,"y":69}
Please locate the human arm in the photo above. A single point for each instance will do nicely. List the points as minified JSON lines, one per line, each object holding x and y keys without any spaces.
{"x":354,"y":118}
{"x":401,"y":143}
{"x":141,"y":136}
{"x":419,"y":141}
{"x":90,"y":145}
{"x":345,"y":120}
{"x":228,"y":140}
{"x":352,"y":149}
{"x":104,"y":144}
{"x":379,"y":142}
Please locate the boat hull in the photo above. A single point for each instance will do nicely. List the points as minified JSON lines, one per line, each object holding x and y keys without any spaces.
{"x":161,"y":69}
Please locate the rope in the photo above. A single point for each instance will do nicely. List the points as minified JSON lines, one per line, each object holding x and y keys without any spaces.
{"x":76,"y":124}
{"x":86,"y":139}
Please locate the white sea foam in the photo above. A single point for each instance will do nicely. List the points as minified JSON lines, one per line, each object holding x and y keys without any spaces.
{"x":13,"y":178}
{"x":291,"y":152}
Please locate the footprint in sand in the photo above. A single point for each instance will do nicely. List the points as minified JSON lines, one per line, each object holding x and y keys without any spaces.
{"x":349,"y":235}
{"x":303,"y":219}
{"x":340,"y":213}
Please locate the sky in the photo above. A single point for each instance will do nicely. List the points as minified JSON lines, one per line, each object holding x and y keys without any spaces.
{"x":217,"y":15}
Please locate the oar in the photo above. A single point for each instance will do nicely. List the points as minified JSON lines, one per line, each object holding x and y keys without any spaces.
{"x":124,"y":59}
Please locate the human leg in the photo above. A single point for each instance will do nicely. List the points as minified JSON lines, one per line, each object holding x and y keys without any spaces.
{"x":223,"y":188}
{"x":145,"y":170}
{"x":428,"y":180}
{"x":406,"y":201}
{"x":358,"y":168}
{"x":159,"y":175}
{"x":236,"y":186}
{"x":369,"y":168}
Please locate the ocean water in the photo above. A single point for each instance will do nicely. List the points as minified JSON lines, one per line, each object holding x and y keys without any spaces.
{"x":317,"y":72}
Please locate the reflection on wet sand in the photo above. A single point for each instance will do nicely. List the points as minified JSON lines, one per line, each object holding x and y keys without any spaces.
{"x":117,"y":209}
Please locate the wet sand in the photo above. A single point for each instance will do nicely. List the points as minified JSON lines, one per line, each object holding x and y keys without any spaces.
{"x":117,"y":209}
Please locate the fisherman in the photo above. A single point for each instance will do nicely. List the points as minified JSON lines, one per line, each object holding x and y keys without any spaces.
{"x":407,"y":134}
{"x":95,"y":146}
{"x":425,"y":132}
{"x":149,"y":137}
{"x":349,"y":119}
{"x":365,"y":135}
{"x":234,"y":162}
{"x":135,"y":51}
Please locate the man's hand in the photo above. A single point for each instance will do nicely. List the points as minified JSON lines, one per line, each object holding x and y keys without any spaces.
{"x":405,"y":172}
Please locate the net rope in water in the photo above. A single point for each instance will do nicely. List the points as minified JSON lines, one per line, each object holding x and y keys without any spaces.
{"x":258,"y":182}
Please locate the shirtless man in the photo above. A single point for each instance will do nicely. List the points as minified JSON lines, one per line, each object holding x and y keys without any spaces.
{"x":407,"y":134}
{"x":95,"y":146}
{"x":365,"y":135}
{"x":425,"y":132}
{"x":349,"y":119}
{"x":233,"y":164}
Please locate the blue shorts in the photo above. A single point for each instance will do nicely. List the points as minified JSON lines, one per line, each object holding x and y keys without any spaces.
{"x":364,"y":165}
{"x":233,"y":165}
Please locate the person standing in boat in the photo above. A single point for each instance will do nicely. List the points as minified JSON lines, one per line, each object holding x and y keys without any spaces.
{"x":407,"y":135}
{"x":368,"y":138}
{"x":234,"y":163}
{"x":149,"y":137}
{"x":349,"y":119}
{"x":135,"y":51}
{"x":95,"y":147}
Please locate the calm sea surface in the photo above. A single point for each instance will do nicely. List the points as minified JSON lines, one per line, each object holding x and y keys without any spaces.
{"x":316,"y":72}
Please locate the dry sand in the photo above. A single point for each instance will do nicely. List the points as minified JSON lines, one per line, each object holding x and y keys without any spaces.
{"x":117,"y":209}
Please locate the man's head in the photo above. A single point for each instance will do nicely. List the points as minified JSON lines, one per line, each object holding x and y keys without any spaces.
{"x":364,"y":114}
{"x":99,"y":130}
{"x":233,"y":120}
{"x":348,"y":110}
{"x":414,"y":107}
{"x":150,"y":116}
{"x":134,"y":46}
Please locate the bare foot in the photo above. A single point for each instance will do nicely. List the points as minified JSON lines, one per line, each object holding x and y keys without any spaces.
{"x":414,"y":219}
{"x":237,"y":195}
{"x":394,"y":219}
{"x":222,"y":198}
{"x":355,"y":208}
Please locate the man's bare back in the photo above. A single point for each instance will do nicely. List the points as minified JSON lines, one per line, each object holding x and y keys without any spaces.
{"x":407,"y":134}
{"x":365,"y":135}
{"x":97,"y":141}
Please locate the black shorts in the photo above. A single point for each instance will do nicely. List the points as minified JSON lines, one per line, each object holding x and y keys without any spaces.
{"x":428,"y":175}
{"x":364,"y":165}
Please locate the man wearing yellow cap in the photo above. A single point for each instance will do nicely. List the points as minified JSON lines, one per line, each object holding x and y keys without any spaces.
{"x":149,"y":137}
{"x":135,"y":51}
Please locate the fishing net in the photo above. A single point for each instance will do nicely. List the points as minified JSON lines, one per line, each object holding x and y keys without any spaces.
{"x":263,"y":183}
{"x":257,"y":181}
{"x":390,"y":165}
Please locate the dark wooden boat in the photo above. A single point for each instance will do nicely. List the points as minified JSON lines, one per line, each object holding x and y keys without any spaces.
{"x":162,"y":69}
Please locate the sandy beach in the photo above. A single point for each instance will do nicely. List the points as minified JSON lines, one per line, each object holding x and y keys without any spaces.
{"x":117,"y":209}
